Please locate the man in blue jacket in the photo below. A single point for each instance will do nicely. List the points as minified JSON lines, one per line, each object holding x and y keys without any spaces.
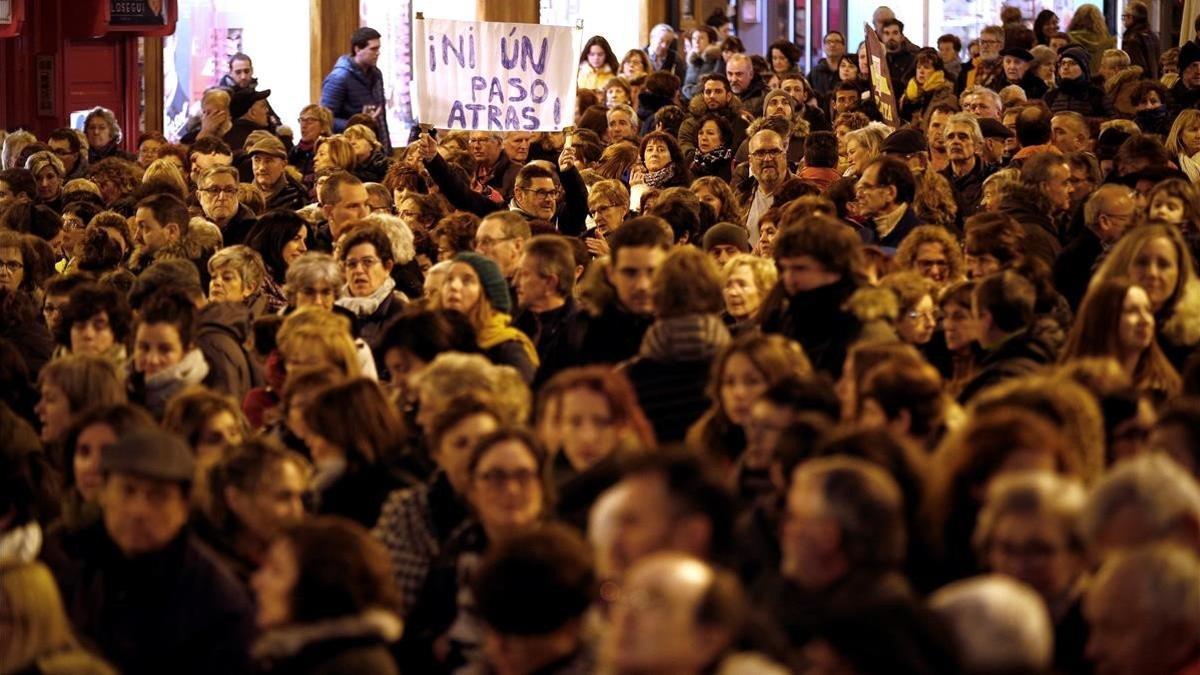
{"x":356,"y":85}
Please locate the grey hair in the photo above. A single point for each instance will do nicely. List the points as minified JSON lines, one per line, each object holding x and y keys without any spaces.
{"x":981,"y":90}
{"x":1162,"y":585}
{"x":972,"y":124}
{"x":866,"y":504}
{"x":999,"y":624}
{"x":40,"y":160}
{"x":622,"y":107}
{"x":244,"y":260}
{"x":403,"y":249}
{"x":14,"y":143}
{"x":309,"y":269}
{"x":1034,"y":493}
{"x":1162,"y":492}
{"x":110,"y":119}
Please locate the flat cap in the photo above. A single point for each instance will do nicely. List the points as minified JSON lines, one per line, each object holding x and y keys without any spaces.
{"x":993,"y":128}
{"x":267,"y":145}
{"x":150,"y":453}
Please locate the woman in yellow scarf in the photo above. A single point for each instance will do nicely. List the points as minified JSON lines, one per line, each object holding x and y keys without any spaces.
{"x":928,"y":82}
{"x":475,"y":287}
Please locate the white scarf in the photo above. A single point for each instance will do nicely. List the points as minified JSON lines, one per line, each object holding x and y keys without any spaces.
{"x":1191,"y":166}
{"x":366,"y":306}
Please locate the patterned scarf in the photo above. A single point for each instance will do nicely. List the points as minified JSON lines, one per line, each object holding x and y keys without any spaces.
{"x":706,"y":160}
{"x":658,"y":179}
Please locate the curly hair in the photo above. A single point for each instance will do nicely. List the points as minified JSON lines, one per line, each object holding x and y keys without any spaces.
{"x":934,"y":202}
{"x":906,"y":255}
{"x":456,"y":233}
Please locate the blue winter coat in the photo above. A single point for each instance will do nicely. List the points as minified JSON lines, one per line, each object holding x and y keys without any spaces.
{"x":347,"y":89}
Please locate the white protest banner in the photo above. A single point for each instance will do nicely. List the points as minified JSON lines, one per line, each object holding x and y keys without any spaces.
{"x":494,"y":76}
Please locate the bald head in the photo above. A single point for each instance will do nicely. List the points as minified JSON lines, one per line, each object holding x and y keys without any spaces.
{"x":676,"y":614}
{"x":1109,"y":211}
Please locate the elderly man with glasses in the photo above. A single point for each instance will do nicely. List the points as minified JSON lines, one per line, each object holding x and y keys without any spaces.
{"x":217,"y":191}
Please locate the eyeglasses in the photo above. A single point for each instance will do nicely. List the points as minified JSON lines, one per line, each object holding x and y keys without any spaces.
{"x":218,"y":191}
{"x":365,"y":263}
{"x":488,"y":242}
{"x":309,"y":119}
{"x":766,"y":154}
{"x":496,"y":479}
{"x":914,"y":315}
{"x":990,"y":42}
{"x":1119,"y":216}
{"x":12,"y":266}
{"x":542,"y":194}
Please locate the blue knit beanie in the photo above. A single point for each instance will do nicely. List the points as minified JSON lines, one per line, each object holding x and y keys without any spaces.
{"x":490,"y":278}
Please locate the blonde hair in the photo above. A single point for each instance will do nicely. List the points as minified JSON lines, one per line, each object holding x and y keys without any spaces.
{"x":1187,"y":119}
{"x":39,"y":621}
{"x":341,"y":152}
{"x":608,"y":191}
{"x":762,"y":270}
{"x":364,"y":133}
{"x":329,"y":333}
{"x":322,"y":113}
{"x":454,"y":374}
{"x":163,"y":169}
{"x":245,"y":261}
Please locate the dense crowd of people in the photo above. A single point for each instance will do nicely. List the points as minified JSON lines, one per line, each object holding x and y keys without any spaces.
{"x":729,"y":377}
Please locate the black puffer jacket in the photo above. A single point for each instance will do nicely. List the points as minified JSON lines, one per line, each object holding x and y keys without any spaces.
{"x":1017,"y":355}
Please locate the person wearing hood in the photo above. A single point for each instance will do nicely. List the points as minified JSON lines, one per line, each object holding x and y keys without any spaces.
{"x":714,"y":97}
{"x":356,"y":85}
{"x":1018,"y":70}
{"x":1075,"y":90}
{"x":165,"y":359}
{"x":370,"y":293}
